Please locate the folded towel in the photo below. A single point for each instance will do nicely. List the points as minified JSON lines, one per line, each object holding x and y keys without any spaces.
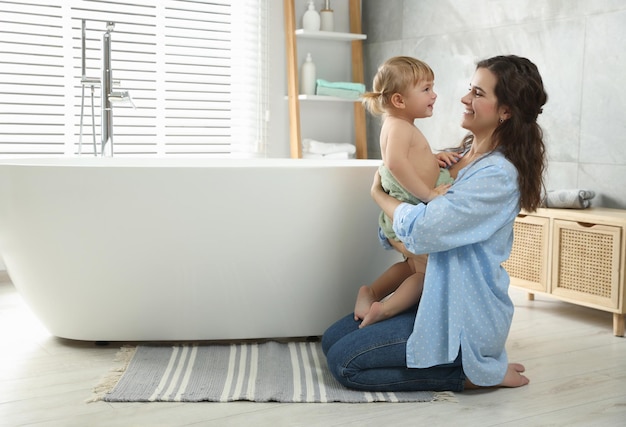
{"x":316,"y":147}
{"x":339,"y":93}
{"x":572,"y":199}
{"x":357,"y":87}
{"x":346,"y":90}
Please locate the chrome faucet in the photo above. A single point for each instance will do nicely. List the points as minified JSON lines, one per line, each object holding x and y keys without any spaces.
{"x":108,"y":96}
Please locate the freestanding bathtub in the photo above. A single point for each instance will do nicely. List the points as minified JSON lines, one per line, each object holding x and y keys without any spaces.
{"x":118,"y":249}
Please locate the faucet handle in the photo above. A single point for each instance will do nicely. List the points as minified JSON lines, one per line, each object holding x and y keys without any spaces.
{"x":122,"y":97}
{"x":90,"y":81}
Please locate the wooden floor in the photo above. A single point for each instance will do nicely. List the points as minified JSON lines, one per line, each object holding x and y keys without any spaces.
{"x":576,"y":366}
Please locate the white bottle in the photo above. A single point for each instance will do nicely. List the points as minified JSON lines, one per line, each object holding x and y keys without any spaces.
{"x":307,"y":76}
{"x":327,"y":18}
{"x":311,"y":19}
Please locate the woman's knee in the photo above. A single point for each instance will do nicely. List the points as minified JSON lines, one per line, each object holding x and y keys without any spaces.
{"x":335,"y":358}
{"x":327,"y":342}
{"x":337,"y":331}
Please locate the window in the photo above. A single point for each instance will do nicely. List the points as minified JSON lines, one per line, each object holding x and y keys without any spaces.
{"x":185,"y":64}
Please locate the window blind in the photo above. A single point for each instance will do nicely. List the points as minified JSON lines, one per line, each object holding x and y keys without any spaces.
{"x":195,"y":70}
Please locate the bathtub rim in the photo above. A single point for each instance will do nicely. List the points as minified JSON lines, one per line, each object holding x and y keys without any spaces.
{"x":186,"y":162}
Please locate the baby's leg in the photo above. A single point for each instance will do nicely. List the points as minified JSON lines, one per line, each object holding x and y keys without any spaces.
{"x":407,"y":295}
{"x":385,"y":284}
{"x":418,"y":263}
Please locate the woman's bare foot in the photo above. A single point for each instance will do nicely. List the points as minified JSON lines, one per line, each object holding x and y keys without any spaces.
{"x":376,"y":314}
{"x":364,"y":300}
{"x":512,"y":378}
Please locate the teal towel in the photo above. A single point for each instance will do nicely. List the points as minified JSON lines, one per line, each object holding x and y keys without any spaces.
{"x":339,"y":93}
{"x":357,"y":87}
{"x":347,"y":90}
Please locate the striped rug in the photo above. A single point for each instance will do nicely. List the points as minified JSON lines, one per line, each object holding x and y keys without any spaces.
{"x":260,"y":372}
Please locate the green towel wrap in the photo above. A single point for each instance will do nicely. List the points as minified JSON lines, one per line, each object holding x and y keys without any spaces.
{"x":393,"y":188}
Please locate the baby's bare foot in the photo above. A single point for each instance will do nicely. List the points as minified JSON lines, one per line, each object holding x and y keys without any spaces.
{"x":376,"y":314}
{"x":364,"y":300}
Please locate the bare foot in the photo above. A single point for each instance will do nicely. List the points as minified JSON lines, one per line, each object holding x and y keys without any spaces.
{"x":364,"y":300}
{"x":512,"y":378}
{"x":376,"y":314}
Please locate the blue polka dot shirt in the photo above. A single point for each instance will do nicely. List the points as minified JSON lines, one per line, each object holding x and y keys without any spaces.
{"x":468,"y":234}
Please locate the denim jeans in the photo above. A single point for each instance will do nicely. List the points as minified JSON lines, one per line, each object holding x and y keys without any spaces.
{"x":374,"y":358}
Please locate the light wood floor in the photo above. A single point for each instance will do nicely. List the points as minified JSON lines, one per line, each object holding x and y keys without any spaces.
{"x":576,"y":366}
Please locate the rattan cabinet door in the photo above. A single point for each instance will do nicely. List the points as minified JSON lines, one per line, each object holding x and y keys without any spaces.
{"x":528,"y":263}
{"x":586,"y":263}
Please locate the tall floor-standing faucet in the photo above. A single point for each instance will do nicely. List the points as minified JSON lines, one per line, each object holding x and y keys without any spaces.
{"x":107,"y":96}
{"x":106,"y":125}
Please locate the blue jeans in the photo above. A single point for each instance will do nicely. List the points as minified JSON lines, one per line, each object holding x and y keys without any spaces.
{"x":374,"y":358}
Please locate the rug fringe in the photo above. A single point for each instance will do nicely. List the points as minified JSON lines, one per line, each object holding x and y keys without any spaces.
{"x":445,"y":396}
{"x":110,"y":380}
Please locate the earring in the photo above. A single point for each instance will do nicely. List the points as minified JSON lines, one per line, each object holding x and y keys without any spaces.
{"x":501,"y":121}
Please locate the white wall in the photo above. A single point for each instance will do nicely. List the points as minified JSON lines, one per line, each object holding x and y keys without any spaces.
{"x":578,"y":45}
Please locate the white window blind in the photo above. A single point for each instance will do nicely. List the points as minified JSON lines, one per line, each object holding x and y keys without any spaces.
{"x":195,"y":70}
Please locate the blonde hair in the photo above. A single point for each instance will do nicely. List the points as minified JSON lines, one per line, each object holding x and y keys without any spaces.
{"x":395,"y":75}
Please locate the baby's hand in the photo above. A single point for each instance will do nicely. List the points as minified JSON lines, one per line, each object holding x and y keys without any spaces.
{"x":442,"y":189}
{"x":447,"y":158}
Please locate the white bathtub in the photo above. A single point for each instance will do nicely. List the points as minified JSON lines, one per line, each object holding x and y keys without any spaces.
{"x":116,"y":249}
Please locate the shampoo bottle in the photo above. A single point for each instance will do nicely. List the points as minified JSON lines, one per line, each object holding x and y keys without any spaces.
{"x":307,"y":76}
{"x":311,"y":18}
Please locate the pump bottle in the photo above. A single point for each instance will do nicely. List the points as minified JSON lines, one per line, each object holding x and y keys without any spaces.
{"x":307,"y":76}
{"x":311,"y":18}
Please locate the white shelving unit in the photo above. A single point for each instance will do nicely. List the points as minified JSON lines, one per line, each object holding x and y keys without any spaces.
{"x":292,"y":37}
{"x":323,"y":98}
{"x":329,"y":35}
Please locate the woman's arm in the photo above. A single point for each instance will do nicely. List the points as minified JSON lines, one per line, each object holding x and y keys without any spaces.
{"x":386,"y":202}
{"x":483,"y":199}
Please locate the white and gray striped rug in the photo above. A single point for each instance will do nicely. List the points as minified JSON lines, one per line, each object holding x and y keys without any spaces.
{"x":260,"y":372}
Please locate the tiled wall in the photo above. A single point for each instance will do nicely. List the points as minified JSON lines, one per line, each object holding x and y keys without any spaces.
{"x":578,"y":45}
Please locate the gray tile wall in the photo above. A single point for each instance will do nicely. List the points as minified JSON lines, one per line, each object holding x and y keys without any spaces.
{"x":578,"y":45}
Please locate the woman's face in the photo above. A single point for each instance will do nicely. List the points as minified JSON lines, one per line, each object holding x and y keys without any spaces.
{"x":482,"y":114}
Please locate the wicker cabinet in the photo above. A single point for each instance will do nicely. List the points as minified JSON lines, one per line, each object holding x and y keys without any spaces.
{"x":528,"y":262}
{"x":576,"y":256}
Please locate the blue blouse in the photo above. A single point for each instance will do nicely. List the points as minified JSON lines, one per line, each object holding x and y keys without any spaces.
{"x":468,"y":233}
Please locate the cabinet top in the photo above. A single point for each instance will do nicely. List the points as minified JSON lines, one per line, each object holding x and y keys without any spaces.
{"x":586,"y":215}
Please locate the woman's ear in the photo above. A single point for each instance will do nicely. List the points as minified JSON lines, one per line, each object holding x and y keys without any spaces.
{"x":504,"y":113}
{"x":397,"y":100}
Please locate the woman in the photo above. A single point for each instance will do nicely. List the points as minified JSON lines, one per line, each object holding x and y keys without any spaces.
{"x":456,"y":340}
